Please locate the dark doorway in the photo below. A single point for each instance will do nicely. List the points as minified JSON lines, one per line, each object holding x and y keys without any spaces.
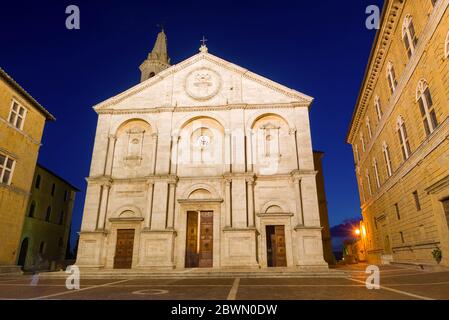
{"x":23,"y":253}
{"x":276,"y":253}
{"x":199,"y":239}
{"x":124,"y":249}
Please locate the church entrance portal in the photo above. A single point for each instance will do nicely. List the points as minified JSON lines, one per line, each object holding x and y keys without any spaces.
{"x":124,"y":249}
{"x":199,"y":239}
{"x":276,"y":255}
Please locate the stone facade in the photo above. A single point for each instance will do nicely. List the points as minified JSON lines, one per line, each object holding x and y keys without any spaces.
{"x":399,"y":134}
{"x":204,"y":136}
{"x":22,"y":121}
{"x":46,"y":231}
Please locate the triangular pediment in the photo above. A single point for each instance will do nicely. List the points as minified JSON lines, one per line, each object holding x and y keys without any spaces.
{"x":204,"y":80}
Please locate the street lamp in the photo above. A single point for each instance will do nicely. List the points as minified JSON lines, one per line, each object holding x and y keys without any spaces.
{"x":357,"y":232}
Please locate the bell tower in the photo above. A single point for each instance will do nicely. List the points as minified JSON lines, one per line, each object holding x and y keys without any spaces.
{"x":157,"y":60}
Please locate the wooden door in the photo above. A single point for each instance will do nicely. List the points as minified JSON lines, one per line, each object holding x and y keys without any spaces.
{"x":276,"y":253}
{"x":192,"y":240}
{"x":206,"y":240}
{"x":281,"y":258}
{"x":124,"y":249}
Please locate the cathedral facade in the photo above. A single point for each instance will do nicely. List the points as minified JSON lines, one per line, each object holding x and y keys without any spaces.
{"x":203,"y":164}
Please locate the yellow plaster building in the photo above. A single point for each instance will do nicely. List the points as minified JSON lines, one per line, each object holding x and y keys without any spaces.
{"x":22,"y":121}
{"x":399,"y":134}
{"x":46,"y":231}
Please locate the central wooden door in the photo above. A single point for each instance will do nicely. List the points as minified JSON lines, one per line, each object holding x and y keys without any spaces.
{"x":124,"y":249}
{"x":192,"y":240}
{"x":206,"y":239}
{"x":276,"y":253}
{"x":199,"y":239}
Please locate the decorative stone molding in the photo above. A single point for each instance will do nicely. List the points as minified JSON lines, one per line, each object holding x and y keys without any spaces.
{"x":183,"y":201}
{"x":202,"y":84}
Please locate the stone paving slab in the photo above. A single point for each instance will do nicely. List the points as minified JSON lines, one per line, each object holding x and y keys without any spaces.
{"x":396,"y":284}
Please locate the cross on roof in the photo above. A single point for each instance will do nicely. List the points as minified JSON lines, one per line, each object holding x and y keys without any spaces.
{"x":203,"y":41}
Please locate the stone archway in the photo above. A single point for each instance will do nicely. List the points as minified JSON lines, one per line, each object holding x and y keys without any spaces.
{"x":23,"y":253}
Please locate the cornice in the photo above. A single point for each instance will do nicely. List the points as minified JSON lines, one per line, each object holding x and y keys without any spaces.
{"x":410,"y":68}
{"x":237,"y":106}
{"x":384,"y":37}
{"x":170,"y":178}
{"x":169,"y":72}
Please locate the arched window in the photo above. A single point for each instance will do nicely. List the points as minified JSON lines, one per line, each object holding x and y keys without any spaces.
{"x":403,"y":138}
{"x":391,"y":77}
{"x":424,"y":98}
{"x":356,"y":153}
{"x":42,"y":248}
{"x":362,"y":141}
{"x":61,"y":218}
{"x":368,"y":181}
{"x":368,"y":127}
{"x":409,"y":35}
{"x":202,"y":145}
{"x":378,"y":108}
{"x":32,"y":209}
{"x":48,"y":214}
{"x":362,"y":190}
{"x":376,"y":173}
{"x":387,"y":159}
{"x":446,"y":47}
{"x":37,"y":184}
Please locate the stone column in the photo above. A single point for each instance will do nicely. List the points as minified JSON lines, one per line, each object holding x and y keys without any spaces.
{"x":299,"y":216}
{"x":292,"y":133}
{"x":228,"y":202}
{"x":154,"y":136}
{"x":103,"y":205}
{"x":149,"y":204}
{"x":249,"y":147}
{"x":228,"y":151}
{"x":112,"y":139}
{"x":250,"y":192}
{"x":174,"y":154}
{"x":171,"y":205}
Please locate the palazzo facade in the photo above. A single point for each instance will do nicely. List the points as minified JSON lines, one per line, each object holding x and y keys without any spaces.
{"x":202,"y":164}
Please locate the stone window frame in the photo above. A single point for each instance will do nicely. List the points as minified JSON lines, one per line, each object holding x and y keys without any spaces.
{"x":376,"y":173}
{"x":391,"y":77}
{"x":15,"y":115}
{"x":427,"y":108}
{"x":387,"y":159}
{"x":362,"y":142}
{"x":7,"y":166}
{"x":409,"y":35}
{"x":368,"y":127}
{"x":404,"y":142}
{"x":368,"y":182}
{"x":378,"y":107}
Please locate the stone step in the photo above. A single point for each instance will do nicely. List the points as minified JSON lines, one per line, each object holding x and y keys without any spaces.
{"x":112,"y":274}
{"x":10,"y":270}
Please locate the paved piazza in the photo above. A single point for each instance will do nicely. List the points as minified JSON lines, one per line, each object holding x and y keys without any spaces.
{"x":397,"y":283}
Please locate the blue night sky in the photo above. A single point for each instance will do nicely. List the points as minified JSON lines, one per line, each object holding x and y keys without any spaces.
{"x":317,"y":47}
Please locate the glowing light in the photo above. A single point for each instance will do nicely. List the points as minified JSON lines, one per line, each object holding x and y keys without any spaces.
{"x":357,"y":232}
